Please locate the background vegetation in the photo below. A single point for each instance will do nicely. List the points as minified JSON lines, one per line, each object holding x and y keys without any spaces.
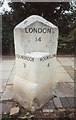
{"x":62,"y":14}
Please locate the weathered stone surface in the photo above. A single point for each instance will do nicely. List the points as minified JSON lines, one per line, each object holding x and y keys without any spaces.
{"x":61,"y":77}
{"x":14,"y":111}
{"x":35,"y":49}
{"x":65,"y":102}
{"x":10,"y":81}
{"x":57,"y":102}
{"x":48,"y":110}
{"x":72,"y":101}
{"x":64,"y":89}
{"x":5,"y":107}
{"x":47,"y":41}
{"x":8,"y":93}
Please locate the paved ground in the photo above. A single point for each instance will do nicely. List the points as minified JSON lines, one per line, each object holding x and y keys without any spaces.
{"x":65,"y":70}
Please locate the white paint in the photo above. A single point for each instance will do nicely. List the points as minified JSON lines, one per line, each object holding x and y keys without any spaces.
{"x":37,"y":54}
{"x":35,"y":63}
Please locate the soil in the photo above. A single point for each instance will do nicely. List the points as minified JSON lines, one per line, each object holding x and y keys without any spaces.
{"x":60,"y":114}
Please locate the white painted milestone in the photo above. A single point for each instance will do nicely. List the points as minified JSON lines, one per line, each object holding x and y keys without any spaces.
{"x":35,"y":49}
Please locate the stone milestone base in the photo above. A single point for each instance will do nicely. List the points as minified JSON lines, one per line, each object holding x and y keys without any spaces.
{"x":24,"y":91}
{"x":34,"y":83}
{"x":29,"y":95}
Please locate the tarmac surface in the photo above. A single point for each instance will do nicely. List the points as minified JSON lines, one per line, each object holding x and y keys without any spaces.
{"x":64,"y":92}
